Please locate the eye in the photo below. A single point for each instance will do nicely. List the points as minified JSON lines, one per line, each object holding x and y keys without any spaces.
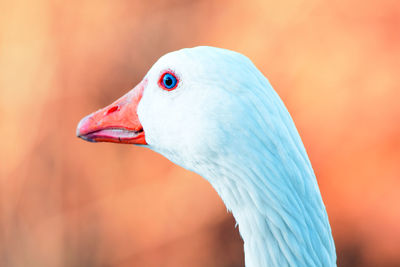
{"x":168,"y":81}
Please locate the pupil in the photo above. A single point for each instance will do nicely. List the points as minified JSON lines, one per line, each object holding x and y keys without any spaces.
{"x":168,"y":81}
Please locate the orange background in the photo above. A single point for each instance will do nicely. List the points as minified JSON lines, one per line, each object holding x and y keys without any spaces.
{"x":65,"y":202}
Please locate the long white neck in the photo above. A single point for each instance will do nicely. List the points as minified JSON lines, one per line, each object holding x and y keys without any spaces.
{"x":279,"y":210}
{"x":270,"y":187}
{"x":240,"y":137}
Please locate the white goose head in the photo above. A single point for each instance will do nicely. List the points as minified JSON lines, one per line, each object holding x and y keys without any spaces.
{"x":211,"y":111}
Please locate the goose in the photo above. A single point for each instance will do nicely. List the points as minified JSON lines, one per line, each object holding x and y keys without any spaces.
{"x":211,"y":111}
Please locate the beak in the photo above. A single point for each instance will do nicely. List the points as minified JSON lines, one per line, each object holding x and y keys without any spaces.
{"x":116,"y":123}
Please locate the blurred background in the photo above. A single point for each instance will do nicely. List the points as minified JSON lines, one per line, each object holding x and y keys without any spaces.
{"x":65,"y":202}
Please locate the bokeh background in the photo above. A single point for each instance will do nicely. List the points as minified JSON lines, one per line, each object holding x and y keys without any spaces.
{"x":65,"y":202}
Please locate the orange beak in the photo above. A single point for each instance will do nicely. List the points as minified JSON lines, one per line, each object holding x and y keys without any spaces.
{"x":116,"y":123}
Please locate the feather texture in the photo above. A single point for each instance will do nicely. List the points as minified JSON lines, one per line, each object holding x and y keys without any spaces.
{"x":223,"y":120}
{"x":226,"y":123}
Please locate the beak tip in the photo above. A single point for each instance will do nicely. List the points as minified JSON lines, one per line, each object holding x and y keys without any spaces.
{"x":78,"y":133}
{"x":80,"y":129}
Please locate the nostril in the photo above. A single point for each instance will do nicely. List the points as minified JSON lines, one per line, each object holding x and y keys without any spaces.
{"x":112,"y":109}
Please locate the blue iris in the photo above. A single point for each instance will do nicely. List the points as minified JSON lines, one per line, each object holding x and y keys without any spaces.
{"x":169,"y":81}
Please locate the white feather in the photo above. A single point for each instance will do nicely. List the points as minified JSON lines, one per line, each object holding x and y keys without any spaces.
{"x":225,"y":122}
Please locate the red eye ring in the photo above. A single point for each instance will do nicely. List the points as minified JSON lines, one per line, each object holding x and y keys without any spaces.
{"x":168,"y":81}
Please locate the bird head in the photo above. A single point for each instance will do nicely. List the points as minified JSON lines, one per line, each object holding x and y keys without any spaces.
{"x":191,"y":106}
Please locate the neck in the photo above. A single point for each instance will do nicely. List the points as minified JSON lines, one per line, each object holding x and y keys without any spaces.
{"x":279,"y":210}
